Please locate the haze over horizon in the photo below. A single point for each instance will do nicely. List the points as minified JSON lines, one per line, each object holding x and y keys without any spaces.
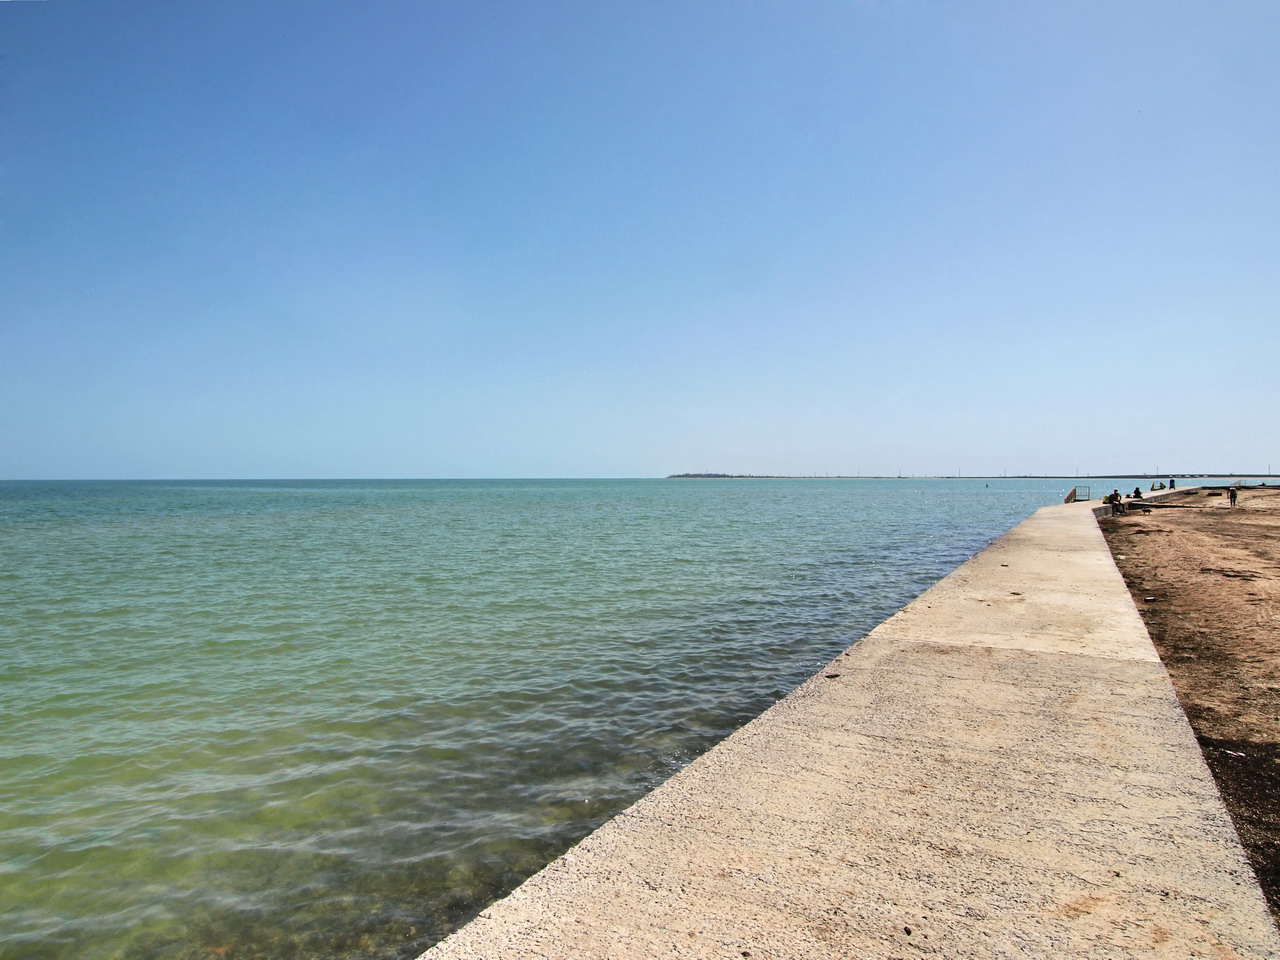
{"x":572,"y":239}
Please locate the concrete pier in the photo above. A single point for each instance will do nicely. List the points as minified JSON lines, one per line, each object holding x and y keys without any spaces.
{"x":999,"y":770}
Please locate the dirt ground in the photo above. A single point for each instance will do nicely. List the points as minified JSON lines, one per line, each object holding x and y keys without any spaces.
{"x":1206,"y":578}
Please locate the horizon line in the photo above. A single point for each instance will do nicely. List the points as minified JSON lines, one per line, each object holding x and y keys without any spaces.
{"x":1192,"y":474}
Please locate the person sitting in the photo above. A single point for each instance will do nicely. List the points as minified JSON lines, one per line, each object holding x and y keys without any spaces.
{"x":1137,"y":493}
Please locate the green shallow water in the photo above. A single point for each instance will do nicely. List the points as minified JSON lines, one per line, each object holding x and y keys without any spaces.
{"x":334,"y":719}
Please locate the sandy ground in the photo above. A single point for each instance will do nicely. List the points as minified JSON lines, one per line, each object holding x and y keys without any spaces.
{"x":1206,"y":579}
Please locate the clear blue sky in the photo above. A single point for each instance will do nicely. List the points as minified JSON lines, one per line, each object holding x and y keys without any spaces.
{"x":401,"y":238}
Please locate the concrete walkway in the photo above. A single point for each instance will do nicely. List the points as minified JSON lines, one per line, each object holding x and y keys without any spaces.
{"x":999,"y":770}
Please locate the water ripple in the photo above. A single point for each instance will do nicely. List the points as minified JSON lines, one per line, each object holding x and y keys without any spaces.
{"x":334,"y":719}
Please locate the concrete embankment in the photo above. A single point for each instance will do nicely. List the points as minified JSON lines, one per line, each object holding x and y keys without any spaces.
{"x":1001,"y":769}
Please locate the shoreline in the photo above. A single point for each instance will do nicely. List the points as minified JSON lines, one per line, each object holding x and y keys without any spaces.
{"x":999,"y":769}
{"x":1206,"y":580}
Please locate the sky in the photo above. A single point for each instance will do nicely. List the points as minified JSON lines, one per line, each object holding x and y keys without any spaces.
{"x":627,"y":238}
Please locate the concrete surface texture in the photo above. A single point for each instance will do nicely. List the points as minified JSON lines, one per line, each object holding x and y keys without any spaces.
{"x":999,"y":770}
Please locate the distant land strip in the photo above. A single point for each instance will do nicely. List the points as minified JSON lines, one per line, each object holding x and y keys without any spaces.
{"x":958,"y":476}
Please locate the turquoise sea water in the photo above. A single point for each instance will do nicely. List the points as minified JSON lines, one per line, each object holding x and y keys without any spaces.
{"x":334,"y":718}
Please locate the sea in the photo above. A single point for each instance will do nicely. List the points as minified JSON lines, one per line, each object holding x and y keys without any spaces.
{"x":335,"y":719}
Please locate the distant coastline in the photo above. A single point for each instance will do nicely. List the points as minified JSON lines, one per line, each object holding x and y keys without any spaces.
{"x":957,"y":476}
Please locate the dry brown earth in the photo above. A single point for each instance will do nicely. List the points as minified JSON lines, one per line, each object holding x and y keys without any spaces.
{"x":1206,"y":579}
